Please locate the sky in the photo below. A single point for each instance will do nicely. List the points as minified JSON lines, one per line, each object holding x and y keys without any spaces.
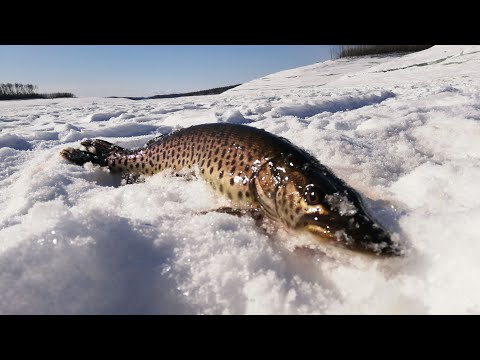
{"x":145,"y":70}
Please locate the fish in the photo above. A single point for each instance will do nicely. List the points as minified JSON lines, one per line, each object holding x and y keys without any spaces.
{"x":256,"y":170}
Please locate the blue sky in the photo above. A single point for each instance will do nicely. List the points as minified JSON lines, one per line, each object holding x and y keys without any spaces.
{"x":138,"y":70}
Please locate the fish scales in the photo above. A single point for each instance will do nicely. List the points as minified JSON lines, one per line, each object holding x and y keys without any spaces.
{"x":226,"y":154}
{"x":258,"y":170}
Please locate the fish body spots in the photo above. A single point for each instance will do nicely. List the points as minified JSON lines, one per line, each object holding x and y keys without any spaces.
{"x":224,"y":157}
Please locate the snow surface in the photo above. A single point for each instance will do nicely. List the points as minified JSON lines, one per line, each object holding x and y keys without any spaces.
{"x":404,"y":131}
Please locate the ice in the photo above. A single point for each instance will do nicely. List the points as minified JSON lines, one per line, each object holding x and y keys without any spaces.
{"x":403,"y":131}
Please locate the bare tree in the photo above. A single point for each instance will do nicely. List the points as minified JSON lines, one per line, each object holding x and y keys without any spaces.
{"x":341,"y":51}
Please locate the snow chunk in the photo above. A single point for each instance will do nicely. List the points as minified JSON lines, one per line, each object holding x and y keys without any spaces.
{"x":131,"y":129}
{"x":105,"y":116}
{"x":341,"y":204}
{"x":14,"y":141}
{"x":233,"y":116}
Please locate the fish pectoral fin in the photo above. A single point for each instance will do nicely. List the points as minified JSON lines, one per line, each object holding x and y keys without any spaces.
{"x":231,"y":211}
{"x":254,"y":213}
{"x":154,"y":140}
{"x":187,"y":174}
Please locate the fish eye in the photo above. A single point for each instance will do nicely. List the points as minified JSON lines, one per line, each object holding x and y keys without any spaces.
{"x":312,"y":195}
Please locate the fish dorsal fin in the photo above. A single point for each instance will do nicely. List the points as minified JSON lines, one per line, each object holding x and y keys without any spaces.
{"x":154,"y":140}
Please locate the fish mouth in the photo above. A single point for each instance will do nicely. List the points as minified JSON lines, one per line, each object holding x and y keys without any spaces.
{"x":357,"y":232}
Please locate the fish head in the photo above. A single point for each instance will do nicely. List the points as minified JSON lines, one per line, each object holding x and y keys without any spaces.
{"x":313,"y":199}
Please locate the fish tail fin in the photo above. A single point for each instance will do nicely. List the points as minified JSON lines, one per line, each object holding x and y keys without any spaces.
{"x":95,"y":151}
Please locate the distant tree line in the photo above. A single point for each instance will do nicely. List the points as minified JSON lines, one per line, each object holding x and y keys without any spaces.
{"x":342,"y":51}
{"x":9,"y":91}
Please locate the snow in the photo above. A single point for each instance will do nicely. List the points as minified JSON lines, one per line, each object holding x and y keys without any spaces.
{"x":402,"y":130}
{"x":104,"y":116}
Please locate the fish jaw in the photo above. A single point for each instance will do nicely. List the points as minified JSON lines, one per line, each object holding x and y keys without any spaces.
{"x":357,"y":232}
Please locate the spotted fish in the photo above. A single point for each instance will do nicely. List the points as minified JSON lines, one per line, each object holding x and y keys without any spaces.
{"x":255,"y":170}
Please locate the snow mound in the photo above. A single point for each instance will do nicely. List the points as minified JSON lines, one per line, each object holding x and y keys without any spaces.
{"x":232,"y":116}
{"x":341,"y":103}
{"x":14,"y":141}
{"x":131,"y":129}
{"x":105,"y":116}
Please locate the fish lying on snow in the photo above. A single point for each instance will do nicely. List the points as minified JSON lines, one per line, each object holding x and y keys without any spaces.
{"x":256,"y":170}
